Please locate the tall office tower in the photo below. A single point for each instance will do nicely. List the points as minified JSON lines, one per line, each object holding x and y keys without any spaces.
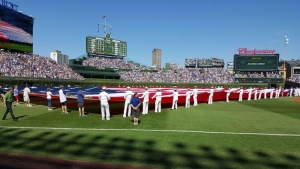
{"x":156,"y":58}
{"x":59,"y":57}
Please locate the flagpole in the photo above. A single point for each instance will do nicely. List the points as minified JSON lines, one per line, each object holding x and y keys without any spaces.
{"x":284,"y":66}
{"x":104,"y":17}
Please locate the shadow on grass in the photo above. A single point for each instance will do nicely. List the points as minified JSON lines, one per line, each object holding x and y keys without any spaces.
{"x":134,"y":151}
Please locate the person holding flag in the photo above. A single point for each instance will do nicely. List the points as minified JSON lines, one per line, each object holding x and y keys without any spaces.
{"x":175,"y":99}
{"x":145,"y":101}
{"x":127,"y":97}
{"x":104,"y":97}
{"x":241,"y":94}
{"x":249,"y":93}
{"x":158,"y":96}
{"x":228,"y":94}
{"x":195,"y":95}
{"x":187,"y":99}
{"x":211,"y":94}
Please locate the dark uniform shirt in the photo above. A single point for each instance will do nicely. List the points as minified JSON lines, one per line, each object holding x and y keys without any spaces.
{"x":135,"y":101}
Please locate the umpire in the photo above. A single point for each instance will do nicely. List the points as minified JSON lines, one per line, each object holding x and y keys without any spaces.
{"x":8,"y":101}
{"x":135,"y":103}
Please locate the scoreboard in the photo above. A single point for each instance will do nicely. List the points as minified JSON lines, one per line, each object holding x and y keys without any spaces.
{"x":106,"y":46}
{"x":256,"y":62}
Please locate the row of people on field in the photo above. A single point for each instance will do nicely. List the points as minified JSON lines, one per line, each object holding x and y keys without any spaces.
{"x":104,"y":98}
{"x":255,"y":93}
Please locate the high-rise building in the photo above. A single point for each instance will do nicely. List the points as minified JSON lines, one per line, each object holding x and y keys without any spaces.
{"x":156,"y":58}
{"x":59,"y":57}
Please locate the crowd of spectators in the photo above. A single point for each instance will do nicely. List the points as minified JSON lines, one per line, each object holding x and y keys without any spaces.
{"x":182,"y":75}
{"x":116,"y":63}
{"x":28,"y":65}
{"x":295,"y":78}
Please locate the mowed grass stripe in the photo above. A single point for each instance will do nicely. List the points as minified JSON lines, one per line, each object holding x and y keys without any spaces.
{"x":144,"y":130}
{"x":237,"y":117}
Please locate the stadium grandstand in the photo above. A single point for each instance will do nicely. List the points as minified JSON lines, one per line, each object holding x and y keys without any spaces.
{"x":30,"y":65}
{"x":15,"y":64}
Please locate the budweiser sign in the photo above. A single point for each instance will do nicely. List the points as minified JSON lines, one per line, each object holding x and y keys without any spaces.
{"x":245,"y":51}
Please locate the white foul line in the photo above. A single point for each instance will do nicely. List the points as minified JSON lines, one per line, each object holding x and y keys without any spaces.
{"x":146,"y":130}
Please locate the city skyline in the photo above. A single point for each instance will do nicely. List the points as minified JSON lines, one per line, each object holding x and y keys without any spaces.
{"x":197,"y":29}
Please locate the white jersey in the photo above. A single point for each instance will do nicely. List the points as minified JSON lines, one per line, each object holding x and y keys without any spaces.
{"x":175,"y":95}
{"x":228,"y":91}
{"x":211,"y":92}
{"x":157,"y":96}
{"x":145,"y":96}
{"x":195,"y":93}
{"x":128,"y":95}
{"x":188,"y":94}
{"x":104,"y":97}
{"x":250,"y":91}
{"x":49,"y":94}
{"x":241,"y":91}
{"x":62,"y":96}
{"x":26,"y":91}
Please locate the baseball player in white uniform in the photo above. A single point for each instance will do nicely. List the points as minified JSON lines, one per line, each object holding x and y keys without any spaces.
{"x":145,"y":101}
{"x":104,"y":97}
{"x":211,"y":95}
{"x":241,"y":94}
{"x":260,"y":93}
{"x":271,"y":93}
{"x":277,"y":93}
{"x":249,"y":93}
{"x":158,"y":96}
{"x":255,"y":93}
{"x":228,"y":94}
{"x":265,"y":93}
{"x":187,"y":98}
{"x":127,"y":97}
{"x":175,"y":100}
{"x":195,"y":95}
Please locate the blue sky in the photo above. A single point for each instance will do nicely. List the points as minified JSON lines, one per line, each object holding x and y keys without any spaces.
{"x":181,"y":29}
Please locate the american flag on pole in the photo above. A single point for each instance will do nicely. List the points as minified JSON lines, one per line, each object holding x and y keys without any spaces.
{"x":103,"y":17}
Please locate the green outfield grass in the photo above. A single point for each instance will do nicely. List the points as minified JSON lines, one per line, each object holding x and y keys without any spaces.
{"x":248,"y":134}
